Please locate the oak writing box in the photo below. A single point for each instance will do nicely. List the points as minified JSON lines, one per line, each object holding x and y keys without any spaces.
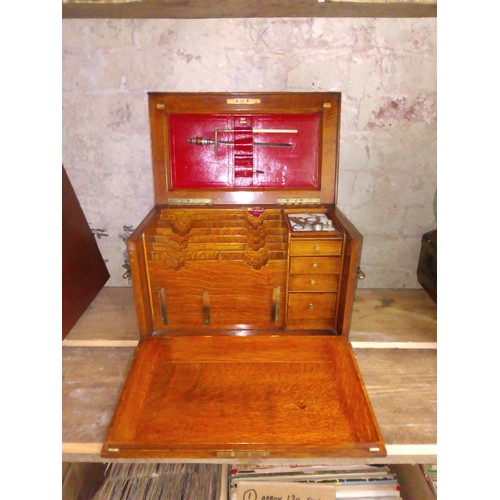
{"x":244,"y":275}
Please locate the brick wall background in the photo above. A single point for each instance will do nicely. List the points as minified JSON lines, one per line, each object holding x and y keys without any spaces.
{"x":384,"y":68}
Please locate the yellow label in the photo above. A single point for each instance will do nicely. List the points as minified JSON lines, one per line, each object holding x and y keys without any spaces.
{"x":242,"y":100}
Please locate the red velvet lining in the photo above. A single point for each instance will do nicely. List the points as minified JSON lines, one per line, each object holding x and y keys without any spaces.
{"x":243,"y":164}
{"x":243,"y":153}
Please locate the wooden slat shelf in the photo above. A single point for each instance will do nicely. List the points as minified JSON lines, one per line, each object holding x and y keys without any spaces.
{"x":201,"y":9}
{"x":400,"y":379}
{"x":387,"y":315}
{"x":110,"y":317}
{"x":382,"y":315}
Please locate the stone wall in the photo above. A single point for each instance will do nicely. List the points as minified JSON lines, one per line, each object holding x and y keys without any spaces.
{"x":384,"y":68}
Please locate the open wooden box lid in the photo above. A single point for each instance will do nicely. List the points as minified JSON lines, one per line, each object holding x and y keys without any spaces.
{"x":264,"y":396}
{"x":244,"y":148}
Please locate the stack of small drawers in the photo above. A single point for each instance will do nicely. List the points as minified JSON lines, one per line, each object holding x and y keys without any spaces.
{"x":313,"y":281}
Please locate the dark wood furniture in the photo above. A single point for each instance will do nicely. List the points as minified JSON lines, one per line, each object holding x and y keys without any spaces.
{"x":195,"y":9}
{"x":427,"y":264}
{"x":84,"y":272}
{"x":244,"y":275}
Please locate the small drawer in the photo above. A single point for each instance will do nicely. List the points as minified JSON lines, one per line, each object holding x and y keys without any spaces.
{"x":311,"y":305}
{"x":315,"y":247}
{"x":314,"y":265}
{"x":313,"y":282}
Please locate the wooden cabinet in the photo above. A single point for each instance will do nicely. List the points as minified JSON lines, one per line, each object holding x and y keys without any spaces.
{"x":84,"y":272}
{"x":216,"y":269}
{"x":314,"y":273}
{"x":244,"y":275}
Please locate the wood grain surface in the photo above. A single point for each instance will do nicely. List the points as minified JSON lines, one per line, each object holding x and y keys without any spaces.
{"x":379,"y":316}
{"x":92,"y":378}
{"x":316,"y":247}
{"x":200,"y":9}
{"x":311,"y":305}
{"x":239,"y":294}
{"x":348,"y":279}
{"x":393,"y":315}
{"x":313,"y":283}
{"x":401,"y":384}
{"x":314,"y":265}
{"x":270,"y":395}
{"x":111,"y":316}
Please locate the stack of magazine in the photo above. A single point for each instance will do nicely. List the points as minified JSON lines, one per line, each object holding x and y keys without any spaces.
{"x":430,"y":473}
{"x":160,"y":481}
{"x":351,"y":481}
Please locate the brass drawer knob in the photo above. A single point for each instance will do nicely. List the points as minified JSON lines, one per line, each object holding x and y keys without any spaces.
{"x":317,"y":248}
{"x":311,"y":306}
{"x":312,"y":281}
{"x":314,"y":264}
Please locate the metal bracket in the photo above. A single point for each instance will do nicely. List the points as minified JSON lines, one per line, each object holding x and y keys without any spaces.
{"x":163,"y":306}
{"x":205,"y":309}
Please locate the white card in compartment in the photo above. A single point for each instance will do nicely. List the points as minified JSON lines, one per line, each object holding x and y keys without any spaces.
{"x":310,"y":221}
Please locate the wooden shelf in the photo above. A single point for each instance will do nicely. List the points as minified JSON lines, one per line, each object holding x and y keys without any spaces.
{"x":201,"y":9}
{"x":394,"y":339}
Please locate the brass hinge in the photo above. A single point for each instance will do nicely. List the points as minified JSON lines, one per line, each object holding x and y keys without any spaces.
{"x":205,"y":309}
{"x":298,"y":201}
{"x":276,"y":304}
{"x":163,"y":305}
{"x":190,"y":201}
